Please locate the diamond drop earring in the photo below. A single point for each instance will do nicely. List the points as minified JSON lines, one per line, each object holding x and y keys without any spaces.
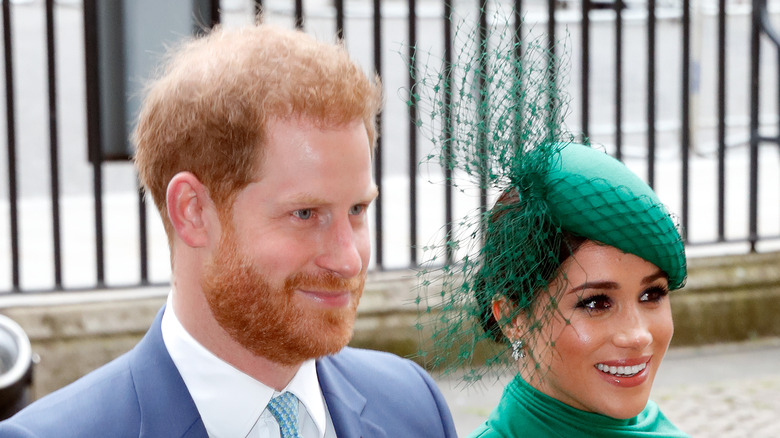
{"x":517,"y":349}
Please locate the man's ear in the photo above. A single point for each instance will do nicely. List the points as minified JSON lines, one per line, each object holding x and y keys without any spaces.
{"x":190,"y":209}
{"x":506,"y":314}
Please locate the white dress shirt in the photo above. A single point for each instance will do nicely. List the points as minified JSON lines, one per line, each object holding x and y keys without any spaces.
{"x":233,"y":404}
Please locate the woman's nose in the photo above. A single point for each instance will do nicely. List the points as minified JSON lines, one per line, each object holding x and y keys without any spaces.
{"x":634,"y":330}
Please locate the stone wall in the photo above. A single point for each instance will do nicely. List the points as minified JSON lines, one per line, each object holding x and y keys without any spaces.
{"x":726,"y":299}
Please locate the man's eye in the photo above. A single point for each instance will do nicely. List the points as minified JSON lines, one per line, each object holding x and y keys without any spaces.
{"x":357,"y":209}
{"x":303,"y":214}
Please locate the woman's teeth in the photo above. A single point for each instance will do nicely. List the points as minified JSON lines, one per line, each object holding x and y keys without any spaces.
{"x":621,"y":371}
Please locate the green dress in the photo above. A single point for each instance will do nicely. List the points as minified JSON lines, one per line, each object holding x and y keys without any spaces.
{"x":526,"y":412}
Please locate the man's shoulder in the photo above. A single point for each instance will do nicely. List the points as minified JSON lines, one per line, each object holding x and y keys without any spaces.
{"x":107,"y":401}
{"x":363,"y":356}
{"x":398,"y":393}
{"x":106,"y":381}
{"x":101,"y":399}
{"x":356,"y":361}
{"x":379,"y":375}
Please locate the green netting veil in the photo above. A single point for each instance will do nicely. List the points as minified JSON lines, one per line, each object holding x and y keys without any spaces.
{"x":495,"y":117}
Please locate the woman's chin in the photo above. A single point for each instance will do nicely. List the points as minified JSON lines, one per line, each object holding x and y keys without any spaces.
{"x":624,"y":409}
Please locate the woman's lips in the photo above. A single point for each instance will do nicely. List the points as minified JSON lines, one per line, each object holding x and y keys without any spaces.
{"x":625,"y":373}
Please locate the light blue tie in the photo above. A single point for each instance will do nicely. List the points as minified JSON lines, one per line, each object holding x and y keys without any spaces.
{"x":284,"y":408}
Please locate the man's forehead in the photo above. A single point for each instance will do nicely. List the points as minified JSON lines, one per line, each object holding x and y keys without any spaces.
{"x":295,"y":143}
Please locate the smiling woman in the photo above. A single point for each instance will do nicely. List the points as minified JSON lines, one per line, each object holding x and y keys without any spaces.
{"x":566,"y":279}
{"x":586,"y":318}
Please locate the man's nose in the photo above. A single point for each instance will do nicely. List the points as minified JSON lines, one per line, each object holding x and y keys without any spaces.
{"x":339,"y":253}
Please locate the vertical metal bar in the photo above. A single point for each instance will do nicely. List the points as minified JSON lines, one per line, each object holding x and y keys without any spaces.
{"x":339,"y":4}
{"x":53,"y":143}
{"x":686,"y":112}
{"x":776,"y":137}
{"x":518,"y":58}
{"x":651,"y":24}
{"x":379,"y":247}
{"x":551,"y":25}
{"x":258,"y":8}
{"x":518,"y":40}
{"x":585,"y":68}
{"x":755,"y":43}
{"x":94,"y":139}
{"x":721,"y":71}
{"x":448,"y":129}
{"x":299,"y":14}
{"x":10,"y":114}
{"x":552,"y":69}
{"x":618,"y":79}
{"x":483,"y":43}
{"x":214,"y":15}
{"x":143,"y":237}
{"x":412,"y":35}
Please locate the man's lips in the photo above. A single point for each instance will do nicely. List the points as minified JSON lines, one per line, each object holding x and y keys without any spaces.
{"x":327,"y":298}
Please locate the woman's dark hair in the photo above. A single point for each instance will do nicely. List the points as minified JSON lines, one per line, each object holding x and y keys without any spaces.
{"x":554,"y":246}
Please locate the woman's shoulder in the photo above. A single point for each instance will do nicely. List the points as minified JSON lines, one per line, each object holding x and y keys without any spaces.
{"x":661,"y":424}
{"x":483,"y":431}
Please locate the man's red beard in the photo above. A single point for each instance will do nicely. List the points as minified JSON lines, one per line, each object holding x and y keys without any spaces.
{"x":270,"y":320}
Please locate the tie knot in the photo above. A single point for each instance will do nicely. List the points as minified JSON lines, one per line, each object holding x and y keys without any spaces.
{"x":284,"y":408}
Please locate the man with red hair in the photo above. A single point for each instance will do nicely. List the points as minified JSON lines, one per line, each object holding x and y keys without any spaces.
{"x":256,"y":146}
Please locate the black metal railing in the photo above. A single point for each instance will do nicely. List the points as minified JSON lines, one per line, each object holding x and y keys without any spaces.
{"x":10,"y":106}
{"x":760,"y":26}
{"x":592,"y":119}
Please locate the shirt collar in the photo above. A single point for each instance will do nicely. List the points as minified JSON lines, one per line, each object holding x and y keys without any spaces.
{"x":209,"y":379}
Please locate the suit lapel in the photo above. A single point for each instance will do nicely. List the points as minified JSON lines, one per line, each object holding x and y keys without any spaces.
{"x":165,"y":403}
{"x":345,"y":403}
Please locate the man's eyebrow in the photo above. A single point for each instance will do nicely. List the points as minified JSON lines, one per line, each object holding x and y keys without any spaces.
{"x":309,"y":199}
{"x":305,"y":198}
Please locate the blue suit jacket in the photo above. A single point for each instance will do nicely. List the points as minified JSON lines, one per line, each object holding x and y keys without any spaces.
{"x":141,"y":394}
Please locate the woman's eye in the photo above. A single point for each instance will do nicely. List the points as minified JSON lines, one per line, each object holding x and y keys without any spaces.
{"x":357,"y":209}
{"x":303,"y":214}
{"x":654,"y":294}
{"x":595,"y":303}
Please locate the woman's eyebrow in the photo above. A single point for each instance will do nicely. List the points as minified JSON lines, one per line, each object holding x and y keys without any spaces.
{"x":653,"y":277}
{"x":595,"y":285}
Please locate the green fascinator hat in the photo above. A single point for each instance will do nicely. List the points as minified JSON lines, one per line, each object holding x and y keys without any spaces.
{"x":593,"y":195}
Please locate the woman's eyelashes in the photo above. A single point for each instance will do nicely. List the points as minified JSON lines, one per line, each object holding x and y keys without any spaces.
{"x":654,"y":294}
{"x":594,"y":303}
{"x":601,"y":301}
